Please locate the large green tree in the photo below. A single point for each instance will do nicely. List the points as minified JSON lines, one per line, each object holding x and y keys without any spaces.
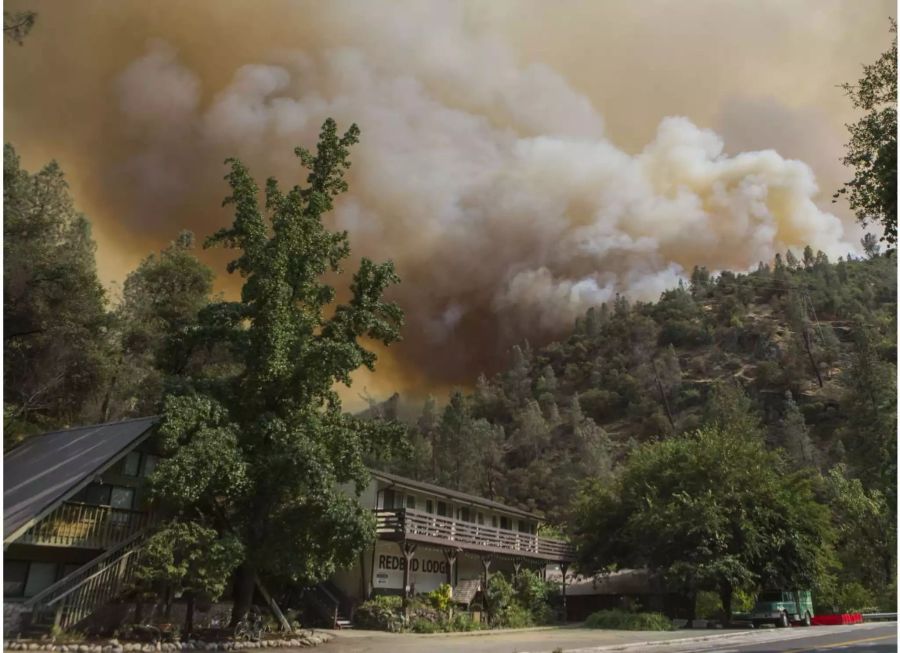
{"x":55,"y":323}
{"x":872,"y":150}
{"x":260,"y":446}
{"x":710,"y":510}
{"x":161,"y":302}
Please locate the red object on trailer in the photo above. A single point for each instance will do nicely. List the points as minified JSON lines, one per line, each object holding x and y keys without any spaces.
{"x":845,"y":619}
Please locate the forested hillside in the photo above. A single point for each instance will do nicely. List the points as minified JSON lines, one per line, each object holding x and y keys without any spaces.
{"x":807,"y":344}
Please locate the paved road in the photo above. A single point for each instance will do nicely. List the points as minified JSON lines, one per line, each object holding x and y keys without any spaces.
{"x":875,"y":638}
{"x":868,"y":638}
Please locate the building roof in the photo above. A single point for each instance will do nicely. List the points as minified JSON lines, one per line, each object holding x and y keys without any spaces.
{"x":621,"y":582}
{"x":49,"y":468}
{"x":410,"y":484}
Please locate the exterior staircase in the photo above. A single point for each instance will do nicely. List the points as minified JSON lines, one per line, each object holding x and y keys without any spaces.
{"x":74,"y":598}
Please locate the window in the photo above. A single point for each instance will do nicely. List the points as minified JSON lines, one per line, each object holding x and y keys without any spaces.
{"x":504,"y":523}
{"x":410,"y":502}
{"x":133,"y":463}
{"x":494,"y":521}
{"x":464,"y":514}
{"x":94,"y":494}
{"x":387,"y":501}
{"x":122,"y":497}
{"x":150,"y":462}
{"x":41,"y":575}
{"x":429,"y":506}
{"x":481,"y":518}
{"x":442,"y":509}
{"x":14,"y":574}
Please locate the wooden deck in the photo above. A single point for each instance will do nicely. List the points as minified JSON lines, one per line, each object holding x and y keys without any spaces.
{"x":87,"y":526}
{"x":416,"y":526}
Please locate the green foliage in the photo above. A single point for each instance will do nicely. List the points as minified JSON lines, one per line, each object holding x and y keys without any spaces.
{"x":522,"y":601}
{"x":872,"y":150}
{"x":441,"y":599}
{"x":260,"y":447}
{"x":846,"y":597}
{"x":623,"y":620}
{"x":161,"y":301}
{"x":54,"y":311}
{"x":380,"y":613}
{"x":188,"y":557}
{"x":710,"y":510}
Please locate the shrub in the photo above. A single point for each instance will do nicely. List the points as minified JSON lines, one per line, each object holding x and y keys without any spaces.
{"x":514,"y":616}
{"x":622,"y":620}
{"x":441,"y":599}
{"x":709,"y":605}
{"x":462,"y":622}
{"x":423,"y":625}
{"x":380,"y":613}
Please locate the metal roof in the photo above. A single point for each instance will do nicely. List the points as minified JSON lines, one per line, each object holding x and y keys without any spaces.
{"x":49,"y":468}
{"x":410,"y":484}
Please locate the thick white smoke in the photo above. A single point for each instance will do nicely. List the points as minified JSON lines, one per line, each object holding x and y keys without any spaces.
{"x":491,"y":183}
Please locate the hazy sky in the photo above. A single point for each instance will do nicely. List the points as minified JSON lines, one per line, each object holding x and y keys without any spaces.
{"x":520,"y":161}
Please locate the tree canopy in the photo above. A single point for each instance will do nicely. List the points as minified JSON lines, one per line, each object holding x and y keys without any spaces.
{"x":55,"y":319}
{"x":708,"y":510}
{"x":872,"y":149}
{"x":258,"y":445}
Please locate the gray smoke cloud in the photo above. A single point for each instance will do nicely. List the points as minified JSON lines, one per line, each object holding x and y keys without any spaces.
{"x":489,"y":178}
{"x":491,"y":183}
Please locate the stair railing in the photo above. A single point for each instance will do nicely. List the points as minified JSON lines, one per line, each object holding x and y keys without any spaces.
{"x":76,"y":596}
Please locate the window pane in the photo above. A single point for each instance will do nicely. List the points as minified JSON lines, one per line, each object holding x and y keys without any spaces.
{"x":41,"y":575}
{"x":97,"y":495}
{"x":388,"y":501}
{"x":14,"y":574}
{"x":429,"y":506}
{"x":122,"y":497}
{"x":410,"y":502}
{"x":133,"y":463}
{"x":442,"y":509}
{"x":150,"y":462}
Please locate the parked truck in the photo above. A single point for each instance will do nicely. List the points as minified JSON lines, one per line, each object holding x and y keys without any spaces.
{"x":781,"y":607}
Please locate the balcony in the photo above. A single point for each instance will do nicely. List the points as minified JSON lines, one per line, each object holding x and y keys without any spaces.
{"x":86,"y":526}
{"x":424,"y":527}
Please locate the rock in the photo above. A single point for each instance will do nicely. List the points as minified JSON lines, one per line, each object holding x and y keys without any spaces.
{"x":117,"y":649}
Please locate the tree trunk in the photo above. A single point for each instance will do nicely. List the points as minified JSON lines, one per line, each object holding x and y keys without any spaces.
{"x":692,"y":606}
{"x":243,"y":592}
{"x":726,"y":594}
{"x":189,"y":614}
{"x":167,"y":610}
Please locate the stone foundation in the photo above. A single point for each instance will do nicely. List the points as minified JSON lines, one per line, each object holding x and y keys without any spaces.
{"x":12,"y":617}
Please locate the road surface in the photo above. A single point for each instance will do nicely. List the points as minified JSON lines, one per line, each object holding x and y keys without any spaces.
{"x":865,"y":638}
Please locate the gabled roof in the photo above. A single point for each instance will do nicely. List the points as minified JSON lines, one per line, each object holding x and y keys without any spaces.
{"x":410,"y":484}
{"x":47,"y":469}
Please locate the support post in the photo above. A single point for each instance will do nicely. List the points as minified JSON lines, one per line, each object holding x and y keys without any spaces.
{"x":517,"y":565}
{"x":408,"y":549}
{"x":486,"y":569}
{"x":564,"y":567}
{"x":285,"y":626}
{"x":450,"y":557}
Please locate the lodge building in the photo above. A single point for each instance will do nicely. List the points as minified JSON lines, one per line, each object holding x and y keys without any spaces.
{"x":75,"y":516}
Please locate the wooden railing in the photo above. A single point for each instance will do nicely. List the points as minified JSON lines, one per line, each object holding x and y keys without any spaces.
{"x":416,"y":525}
{"x":87,"y":526}
{"x":74,"y":598}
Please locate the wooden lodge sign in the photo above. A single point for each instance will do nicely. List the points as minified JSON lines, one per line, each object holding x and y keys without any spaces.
{"x":427,"y":569}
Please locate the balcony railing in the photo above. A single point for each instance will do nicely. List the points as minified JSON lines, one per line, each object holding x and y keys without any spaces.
{"x":426,"y":527}
{"x":86,"y":526}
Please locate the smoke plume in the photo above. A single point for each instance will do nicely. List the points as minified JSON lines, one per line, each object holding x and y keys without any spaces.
{"x":490,"y":180}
